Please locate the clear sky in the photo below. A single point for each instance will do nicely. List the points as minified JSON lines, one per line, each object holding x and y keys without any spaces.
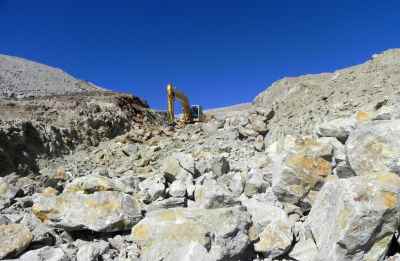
{"x":219,"y":52}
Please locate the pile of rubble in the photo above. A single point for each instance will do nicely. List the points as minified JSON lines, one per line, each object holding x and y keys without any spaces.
{"x":214,"y":191}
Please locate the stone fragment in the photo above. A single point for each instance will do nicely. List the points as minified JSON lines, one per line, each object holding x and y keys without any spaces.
{"x":14,"y":238}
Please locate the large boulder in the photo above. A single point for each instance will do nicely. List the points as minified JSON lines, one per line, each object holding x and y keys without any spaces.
{"x":14,"y":239}
{"x":375,"y":148}
{"x":102,"y":211}
{"x":202,"y":234}
{"x":356,"y":218}
{"x":299,"y":167}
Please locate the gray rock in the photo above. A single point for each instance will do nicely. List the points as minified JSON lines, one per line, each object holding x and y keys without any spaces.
{"x":211,"y":194}
{"x":153,"y":187}
{"x":246,"y":132}
{"x":234,"y":181}
{"x":91,"y":183}
{"x":375,"y":148}
{"x":179,"y":164}
{"x":396,"y":257}
{"x":341,"y":166}
{"x":338,"y":128}
{"x":355,"y":218}
{"x":14,"y":238}
{"x":220,"y":166}
{"x":255,"y":183}
{"x":166,"y":203}
{"x":263,"y":212}
{"x":388,"y":112}
{"x":276,"y":239}
{"x":4,"y":220}
{"x":7,"y":193}
{"x":304,"y":249}
{"x":103,"y":211}
{"x":42,"y":234}
{"x":92,"y":251}
{"x":46,"y":253}
{"x":259,"y":144}
{"x":210,"y":127}
{"x":177,"y":189}
{"x":178,"y":234}
{"x":259,"y":124}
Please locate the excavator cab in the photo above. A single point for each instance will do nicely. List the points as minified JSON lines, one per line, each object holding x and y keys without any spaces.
{"x":197,"y":112}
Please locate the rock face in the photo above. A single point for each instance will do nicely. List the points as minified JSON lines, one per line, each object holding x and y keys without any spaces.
{"x":356,"y":218}
{"x":301,"y":103}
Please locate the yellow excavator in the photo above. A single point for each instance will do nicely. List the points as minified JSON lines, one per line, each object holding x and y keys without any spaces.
{"x":190,"y":113}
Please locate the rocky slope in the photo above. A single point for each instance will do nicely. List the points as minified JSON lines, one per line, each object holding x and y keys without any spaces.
{"x":299,"y":103}
{"x":230,"y":188}
{"x":20,"y":78}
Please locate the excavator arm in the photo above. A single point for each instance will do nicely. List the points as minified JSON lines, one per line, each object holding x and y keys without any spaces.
{"x":173,"y":94}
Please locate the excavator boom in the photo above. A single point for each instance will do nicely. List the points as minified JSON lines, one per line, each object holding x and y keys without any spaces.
{"x":173,"y":94}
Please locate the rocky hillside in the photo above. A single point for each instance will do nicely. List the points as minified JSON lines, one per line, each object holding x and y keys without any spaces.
{"x":230,"y":188}
{"x":20,"y":78}
{"x":300,"y":103}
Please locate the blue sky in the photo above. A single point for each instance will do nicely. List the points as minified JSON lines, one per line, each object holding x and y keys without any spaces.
{"x":218,"y":52}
